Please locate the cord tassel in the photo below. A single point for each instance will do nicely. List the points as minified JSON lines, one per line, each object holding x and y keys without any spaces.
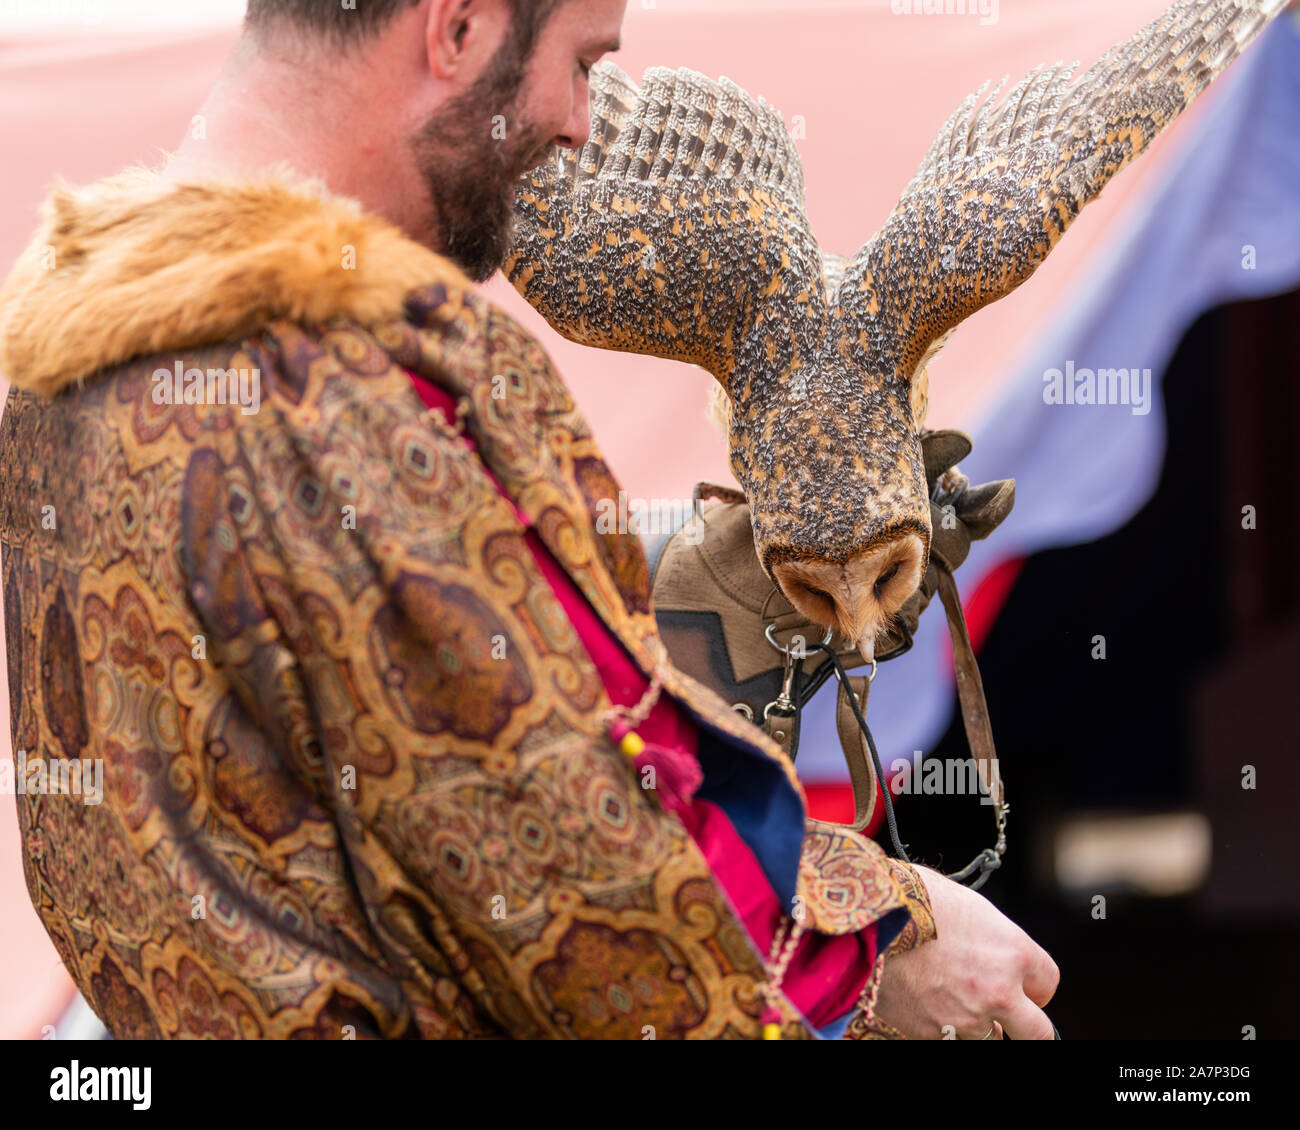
{"x":771,"y":1021}
{"x":674,"y":775}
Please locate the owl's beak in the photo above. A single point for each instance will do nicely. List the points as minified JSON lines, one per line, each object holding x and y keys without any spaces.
{"x":857,"y":597}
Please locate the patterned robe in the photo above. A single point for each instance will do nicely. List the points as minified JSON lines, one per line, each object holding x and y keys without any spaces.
{"x":356,"y":777}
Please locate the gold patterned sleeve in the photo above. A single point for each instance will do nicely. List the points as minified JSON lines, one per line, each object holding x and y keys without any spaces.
{"x":848,"y":883}
{"x":920,"y":928}
{"x":865,"y":1025}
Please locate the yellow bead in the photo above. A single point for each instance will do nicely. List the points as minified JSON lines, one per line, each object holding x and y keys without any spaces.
{"x":632,"y":744}
{"x":771,"y":1031}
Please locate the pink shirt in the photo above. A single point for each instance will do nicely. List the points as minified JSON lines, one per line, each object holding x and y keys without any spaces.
{"x":827,"y":973}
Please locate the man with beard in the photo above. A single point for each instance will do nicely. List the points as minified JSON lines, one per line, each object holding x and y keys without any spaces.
{"x":391,"y":746}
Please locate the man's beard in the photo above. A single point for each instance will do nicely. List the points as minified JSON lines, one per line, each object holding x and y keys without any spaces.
{"x":471,"y":176}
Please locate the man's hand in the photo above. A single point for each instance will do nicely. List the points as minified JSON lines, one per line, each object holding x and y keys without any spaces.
{"x":980,"y":970}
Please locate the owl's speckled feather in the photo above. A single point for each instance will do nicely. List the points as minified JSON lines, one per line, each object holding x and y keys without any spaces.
{"x":1003,"y":181}
{"x":680,"y":231}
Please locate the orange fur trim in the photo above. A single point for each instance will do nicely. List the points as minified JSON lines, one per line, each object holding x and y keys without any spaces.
{"x":133,"y":266}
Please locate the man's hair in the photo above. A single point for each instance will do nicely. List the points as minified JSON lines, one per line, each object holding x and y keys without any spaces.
{"x":346,"y":27}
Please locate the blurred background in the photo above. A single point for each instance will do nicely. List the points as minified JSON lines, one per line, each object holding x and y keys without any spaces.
{"x":1137,"y":617}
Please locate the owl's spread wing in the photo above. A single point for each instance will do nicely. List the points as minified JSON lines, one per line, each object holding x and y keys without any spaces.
{"x":1002,"y":182}
{"x":679,"y":228}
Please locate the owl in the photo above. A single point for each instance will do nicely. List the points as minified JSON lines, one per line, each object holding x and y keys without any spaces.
{"x":680,"y":230}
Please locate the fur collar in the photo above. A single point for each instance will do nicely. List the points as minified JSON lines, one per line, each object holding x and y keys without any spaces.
{"x":132,"y":266}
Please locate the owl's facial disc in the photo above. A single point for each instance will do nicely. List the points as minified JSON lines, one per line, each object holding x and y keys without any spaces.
{"x":857,"y":597}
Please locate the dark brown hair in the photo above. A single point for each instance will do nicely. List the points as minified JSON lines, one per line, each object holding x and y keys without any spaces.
{"x":346,"y":27}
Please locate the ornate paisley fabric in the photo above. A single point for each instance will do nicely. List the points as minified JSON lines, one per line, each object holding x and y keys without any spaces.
{"x":356,"y":781}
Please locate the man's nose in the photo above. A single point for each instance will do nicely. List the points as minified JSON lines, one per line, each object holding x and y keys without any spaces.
{"x":577,"y":130}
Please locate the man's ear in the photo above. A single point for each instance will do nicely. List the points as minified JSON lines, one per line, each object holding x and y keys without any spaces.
{"x":461,"y":35}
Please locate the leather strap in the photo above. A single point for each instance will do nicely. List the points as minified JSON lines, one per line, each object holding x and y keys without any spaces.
{"x":970,"y":691}
{"x":857,"y":757}
{"x":854,"y":735}
{"x":780,"y":728}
